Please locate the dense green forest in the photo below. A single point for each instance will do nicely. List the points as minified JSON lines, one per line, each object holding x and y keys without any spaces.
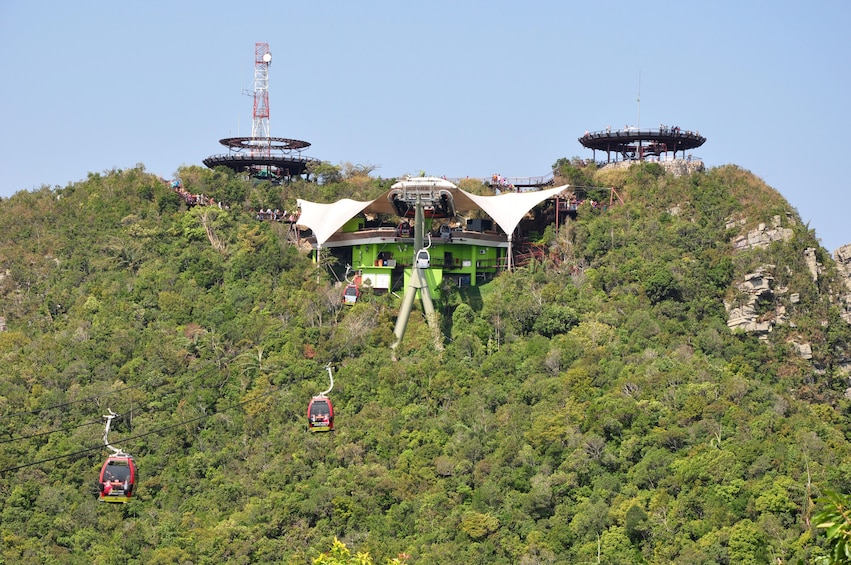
{"x":591,"y":407}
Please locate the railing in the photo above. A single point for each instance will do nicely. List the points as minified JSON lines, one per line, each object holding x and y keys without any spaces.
{"x":250,"y":158}
{"x":498,"y":180}
{"x":652,"y":159}
{"x":633,"y":132}
{"x":521,"y":181}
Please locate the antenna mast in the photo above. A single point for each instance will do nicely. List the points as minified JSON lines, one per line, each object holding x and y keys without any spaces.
{"x":260,"y":123}
{"x":639,"y":100}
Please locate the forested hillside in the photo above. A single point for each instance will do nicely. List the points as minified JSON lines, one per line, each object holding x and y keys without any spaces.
{"x":593,"y":407}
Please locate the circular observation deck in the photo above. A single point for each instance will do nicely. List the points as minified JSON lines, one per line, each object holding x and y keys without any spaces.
{"x":635,"y":144}
{"x":263,"y":158}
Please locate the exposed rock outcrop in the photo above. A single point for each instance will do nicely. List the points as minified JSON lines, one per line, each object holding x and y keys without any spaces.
{"x":682,"y":167}
{"x":760,"y":311}
{"x":756,"y":291}
{"x":762,"y":236}
{"x":757,"y":308}
{"x":842,"y":256}
{"x":803,"y":349}
{"x":813,"y":265}
{"x":675,"y":167}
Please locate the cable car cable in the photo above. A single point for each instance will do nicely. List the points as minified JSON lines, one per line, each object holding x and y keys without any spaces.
{"x":70,"y":402}
{"x":68,"y":429}
{"x":39,"y":434}
{"x":139,"y":436}
{"x":97,"y":397}
{"x":48,"y":432}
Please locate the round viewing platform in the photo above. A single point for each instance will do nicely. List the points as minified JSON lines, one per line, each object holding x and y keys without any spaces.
{"x":264,"y":158}
{"x":636,"y":144}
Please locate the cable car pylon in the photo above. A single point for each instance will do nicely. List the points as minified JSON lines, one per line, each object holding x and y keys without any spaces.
{"x":117,"y":479}
{"x":320,"y":412}
{"x":418,"y":282}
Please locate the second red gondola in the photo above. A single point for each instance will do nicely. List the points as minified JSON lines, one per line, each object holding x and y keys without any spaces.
{"x":117,"y":479}
{"x":320,"y":414}
{"x":351,"y":294}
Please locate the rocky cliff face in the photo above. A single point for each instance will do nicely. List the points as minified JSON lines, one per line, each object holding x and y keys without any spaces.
{"x":763,"y":235}
{"x":842,"y":256}
{"x":757,"y":310}
{"x":675,"y":167}
{"x":760,"y":305}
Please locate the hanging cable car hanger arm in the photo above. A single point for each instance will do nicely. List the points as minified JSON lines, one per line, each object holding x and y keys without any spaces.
{"x":330,"y":376}
{"x":106,"y":433}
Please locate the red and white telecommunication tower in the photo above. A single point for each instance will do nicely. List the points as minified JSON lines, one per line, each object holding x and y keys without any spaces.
{"x":260,"y":122}
{"x":262,"y":156}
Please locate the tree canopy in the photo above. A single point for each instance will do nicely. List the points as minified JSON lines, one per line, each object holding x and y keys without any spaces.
{"x":592,"y":406}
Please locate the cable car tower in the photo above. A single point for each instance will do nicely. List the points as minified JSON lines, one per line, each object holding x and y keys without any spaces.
{"x":418,"y":283}
{"x":117,"y":478}
{"x":260,"y":144}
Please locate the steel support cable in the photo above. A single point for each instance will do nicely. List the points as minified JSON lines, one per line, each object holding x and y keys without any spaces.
{"x":70,"y":402}
{"x":96,"y":397}
{"x":99,"y":422}
{"x":48,"y":432}
{"x":139,"y":436}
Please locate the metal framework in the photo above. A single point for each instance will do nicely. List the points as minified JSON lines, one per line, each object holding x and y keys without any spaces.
{"x":635,"y":144}
{"x":260,"y":122}
{"x":262,"y":156}
{"x":115,"y":450}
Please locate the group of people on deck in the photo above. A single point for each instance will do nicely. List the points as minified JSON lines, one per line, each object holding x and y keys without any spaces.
{"x":195,"y":199}
{"x":276,"y":215}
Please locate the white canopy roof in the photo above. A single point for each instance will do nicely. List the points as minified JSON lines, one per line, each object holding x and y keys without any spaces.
{"x":326,"y":219}
{"x":506,"y":209}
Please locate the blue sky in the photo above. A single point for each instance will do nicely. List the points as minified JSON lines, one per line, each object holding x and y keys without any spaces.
{"x":447,"y":87}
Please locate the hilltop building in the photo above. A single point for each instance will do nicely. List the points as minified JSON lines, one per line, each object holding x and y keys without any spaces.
{"x":468,"y":251}
{"x":631,"y":145}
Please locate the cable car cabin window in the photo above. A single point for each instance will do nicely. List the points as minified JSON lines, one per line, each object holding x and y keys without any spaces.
{"x":116,"y":471}
{"x":319,"y":408}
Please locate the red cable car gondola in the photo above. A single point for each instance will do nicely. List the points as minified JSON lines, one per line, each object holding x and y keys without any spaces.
{"x":350,"y":294}
{"x":320,"y":414}
{"x":117,"y":479}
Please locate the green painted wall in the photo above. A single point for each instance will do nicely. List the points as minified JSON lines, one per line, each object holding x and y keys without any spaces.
{"x":459,"y":261}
